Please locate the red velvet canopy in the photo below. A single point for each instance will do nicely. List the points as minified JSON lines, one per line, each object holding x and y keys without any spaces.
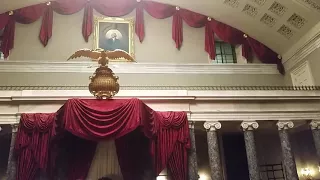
{"x":122,"y":7}
{"x":137,"y":129}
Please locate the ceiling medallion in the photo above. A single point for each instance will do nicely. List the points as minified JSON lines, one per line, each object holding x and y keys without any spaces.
{"x":250,"y":10}
{"x":268,"y":20}
{"x":278,"y":8}
{"x":297,"y":21}
{"x":104,"y":84}
{"x":232,"y":3}
{"x":286,"y":31}
{"x":259,"y":2}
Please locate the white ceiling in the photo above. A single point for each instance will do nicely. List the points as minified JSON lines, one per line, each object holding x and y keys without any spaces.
{"x":276,"y":23}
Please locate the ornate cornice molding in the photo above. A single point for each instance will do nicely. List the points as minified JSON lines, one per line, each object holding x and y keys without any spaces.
{"x":283,"y":125}
{"x":302,"y":49}
{"x":136,"y":68}
{"x":249,"y":126}
{"x":212,"y":125}
{"x":197,"y":88}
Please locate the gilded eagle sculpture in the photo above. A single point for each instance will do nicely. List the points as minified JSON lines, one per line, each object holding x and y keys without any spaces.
{"x":104,"y":84}
{"x":101,"y":55}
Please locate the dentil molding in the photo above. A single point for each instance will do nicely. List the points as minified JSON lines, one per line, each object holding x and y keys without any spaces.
{"x":135,"y":68}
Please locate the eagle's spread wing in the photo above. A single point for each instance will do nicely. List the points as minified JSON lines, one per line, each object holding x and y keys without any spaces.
{"x":118,"y":53}
{"x":86,"y":53}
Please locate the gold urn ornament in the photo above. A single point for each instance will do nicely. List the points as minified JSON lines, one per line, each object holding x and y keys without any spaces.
{"x":104,"y":84}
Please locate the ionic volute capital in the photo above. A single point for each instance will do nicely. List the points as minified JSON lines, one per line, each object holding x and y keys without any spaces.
{"x":14,"y":127}
{"x":315,"y":125}
{"x":191,"y":124}
{"x":283,"y":125}
{"x":212,"y":126}
{"x":249,"y":126}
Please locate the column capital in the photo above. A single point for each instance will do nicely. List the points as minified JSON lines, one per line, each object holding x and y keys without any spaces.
{"x":249,"y":125}
{"x":14,"y":127}
{"x":282,"y":125}
{"x":315,"y":124}
{"x":212,"y":125}
{"x":191,"y":124}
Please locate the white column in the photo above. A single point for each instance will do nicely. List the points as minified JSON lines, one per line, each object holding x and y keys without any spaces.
{"x":287,"y":154}
{"x":253,"y":165}
{"x":11,"y":168}
{"x":192,"y":160}
{"x":315,"y":128}
{"x":213,"y":149}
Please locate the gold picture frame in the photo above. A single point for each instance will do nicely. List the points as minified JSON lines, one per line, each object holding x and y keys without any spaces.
{"x":114,"y":33}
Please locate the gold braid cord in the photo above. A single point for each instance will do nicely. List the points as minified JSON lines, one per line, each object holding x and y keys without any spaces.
{"x":104,"y":84}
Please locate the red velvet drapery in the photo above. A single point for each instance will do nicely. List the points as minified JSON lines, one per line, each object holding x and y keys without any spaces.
{"x":32,"y":144}
{"x":166,"y":134}
{"x":123,"y":7}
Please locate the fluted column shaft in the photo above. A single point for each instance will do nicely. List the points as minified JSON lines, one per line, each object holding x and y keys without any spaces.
{"x":248,"y":128}
{"x":11,"y":168}
{"x":192,"y":159}
{"x":315,"y":127}
{"x":287,"y":154}
{"x":213,"y":150}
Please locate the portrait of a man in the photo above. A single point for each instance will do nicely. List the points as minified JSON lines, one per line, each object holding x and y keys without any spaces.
{"x":114,"y":33}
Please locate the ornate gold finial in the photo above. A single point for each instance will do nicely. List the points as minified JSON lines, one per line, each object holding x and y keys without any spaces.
{"x":104,"y":84}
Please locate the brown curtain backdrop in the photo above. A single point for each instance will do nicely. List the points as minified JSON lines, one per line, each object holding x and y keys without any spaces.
{"x":105,"y":162}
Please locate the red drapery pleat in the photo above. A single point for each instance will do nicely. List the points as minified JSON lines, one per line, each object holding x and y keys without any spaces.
{"x":161,"y":136}
{"x":32,"y":144}
{"x":123,"y":7}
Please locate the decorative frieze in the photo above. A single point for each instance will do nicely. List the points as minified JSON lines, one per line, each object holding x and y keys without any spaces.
{"x":212,"y":126}
{"x":201,"y":88}
{"x":249,"y":126}
{"x":284,"y":125}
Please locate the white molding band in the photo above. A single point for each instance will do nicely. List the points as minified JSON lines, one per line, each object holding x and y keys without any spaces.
{"x":305,"y":46}
{"x":206,"y":106}
{"x":164,"y":95}
{"x":14,"y":118}
{"x":135,"y":68}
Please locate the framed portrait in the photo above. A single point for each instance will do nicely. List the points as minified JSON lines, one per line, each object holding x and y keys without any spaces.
{"x":114,"y":33}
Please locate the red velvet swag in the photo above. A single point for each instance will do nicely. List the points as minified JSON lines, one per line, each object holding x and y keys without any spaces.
{"x":139,"y":132}
{"x":122,"y":7}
